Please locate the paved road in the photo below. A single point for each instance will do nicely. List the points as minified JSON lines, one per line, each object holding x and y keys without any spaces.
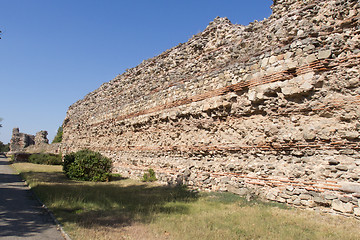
{"x":21,"y":215}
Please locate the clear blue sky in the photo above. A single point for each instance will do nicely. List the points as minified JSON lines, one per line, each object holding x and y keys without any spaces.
{"x":54,"y":52}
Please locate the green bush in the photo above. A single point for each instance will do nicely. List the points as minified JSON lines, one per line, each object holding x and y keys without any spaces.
{"x":45,"y":158}
{"x":87,"y":165}
{"x":149,"y":176}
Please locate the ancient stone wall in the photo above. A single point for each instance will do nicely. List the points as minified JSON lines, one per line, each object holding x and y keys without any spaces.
{"x":271,"y":108}
{"x":54,"y":148}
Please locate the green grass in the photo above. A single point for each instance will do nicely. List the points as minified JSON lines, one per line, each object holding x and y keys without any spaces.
{"x":128,"y":209}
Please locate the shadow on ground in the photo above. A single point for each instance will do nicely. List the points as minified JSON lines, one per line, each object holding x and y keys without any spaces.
{"x":110,"y":204}
{"x":19,"y":219}
{"x":21,"y":215}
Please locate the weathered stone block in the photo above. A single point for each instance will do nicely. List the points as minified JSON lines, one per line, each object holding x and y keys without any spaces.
{"x":342,"y":207}
{"x":238,"y":191}
{"x":324,"y":54}
{"x":350,"y":187}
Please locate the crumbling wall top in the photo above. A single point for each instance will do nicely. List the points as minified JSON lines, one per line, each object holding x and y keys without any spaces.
{"x":282,"y":7}
{"x":41,"y":137}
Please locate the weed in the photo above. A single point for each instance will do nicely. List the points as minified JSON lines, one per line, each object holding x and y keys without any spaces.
{"x":149,"y":176}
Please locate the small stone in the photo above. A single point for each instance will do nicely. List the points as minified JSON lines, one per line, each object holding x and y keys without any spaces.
{"x":297,"y":202}
{"x":305,"y":196}
{"x":272,"y":194}
{"x":300,"y":32}
{"x":290,"y":63}
{"x":354,"y":176}
{"x":309,"y":47}
{"x":311,"y":58}
{"x":299,"y":191}
{"x":306,"y":86}
{"x":357,"y":211}
{"x":264,"y":62}
{"x":310,"y":203}
{"x":297,"y":153}
{"x":322,"y":202}
{"x":324,"y":54}
{"x":304,"y":202}
{"x":309,"y":135}
{"x":350,"y":187}
{"x":339,"y":206}
{"x":284,"y":195}
{"x":272,"y":59}
{"x":333,"y":162}
{"x":342,"y":167}
{"x":351,"y":135}
{"x":345,"y":199}
{"x":346,"y":117}
{"x":346,"y":151}
{"x":238,"y":191}
{"x":330,"y":197}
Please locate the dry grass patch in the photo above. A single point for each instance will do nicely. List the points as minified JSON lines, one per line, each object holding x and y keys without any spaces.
{"x":215,"y":219}
{"x":128,"y":209}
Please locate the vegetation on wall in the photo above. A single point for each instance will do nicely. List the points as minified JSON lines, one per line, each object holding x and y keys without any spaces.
{"x":149,"y":176}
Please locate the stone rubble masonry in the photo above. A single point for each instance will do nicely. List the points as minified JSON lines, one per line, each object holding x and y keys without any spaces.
{"x":41,"y":137}
{"x":22,"y":142}
{"x":271,"y":109}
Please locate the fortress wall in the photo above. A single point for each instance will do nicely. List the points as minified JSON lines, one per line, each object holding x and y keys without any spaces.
{"x":271,"y":109}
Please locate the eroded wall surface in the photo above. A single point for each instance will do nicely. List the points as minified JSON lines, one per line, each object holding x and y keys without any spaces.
{"x":271,"y":108}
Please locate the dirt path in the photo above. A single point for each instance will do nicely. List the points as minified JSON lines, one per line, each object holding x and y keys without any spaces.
{"x":21,"y":215}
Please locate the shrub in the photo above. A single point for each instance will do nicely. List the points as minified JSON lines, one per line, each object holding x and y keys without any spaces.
{"x":45,"y":158}
{"x":20,"y":157}
{"x":87,"y":165}
{"x":149,"y":176}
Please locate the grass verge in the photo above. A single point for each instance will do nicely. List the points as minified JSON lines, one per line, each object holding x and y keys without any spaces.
{"x":128,"y":209}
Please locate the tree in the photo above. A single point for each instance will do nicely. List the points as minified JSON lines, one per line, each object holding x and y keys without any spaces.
{"x":58,"y":137}
{"x":4,"y":147}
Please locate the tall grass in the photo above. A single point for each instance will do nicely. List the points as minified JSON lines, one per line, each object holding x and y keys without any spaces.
{"x":128,"y":209}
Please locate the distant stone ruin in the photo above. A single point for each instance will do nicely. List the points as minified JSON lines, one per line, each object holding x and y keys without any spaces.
{"x":22,"y":142}
{"x":41,"y":138}
{"x":19,"y":141}
{"x":270,"y":109}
